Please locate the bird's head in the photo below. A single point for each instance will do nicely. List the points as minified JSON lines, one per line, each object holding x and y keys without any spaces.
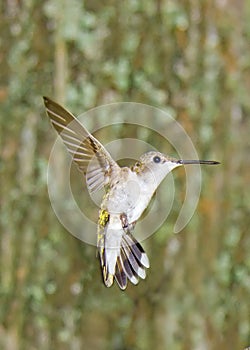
{"x":159,"y":164}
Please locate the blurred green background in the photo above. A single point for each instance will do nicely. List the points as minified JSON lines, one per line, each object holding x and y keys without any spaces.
{"x":191,"y":58}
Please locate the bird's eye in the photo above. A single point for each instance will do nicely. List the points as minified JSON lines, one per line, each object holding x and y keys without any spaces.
{"x":157,"y":159}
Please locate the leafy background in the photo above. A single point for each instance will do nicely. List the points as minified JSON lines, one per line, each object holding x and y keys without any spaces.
{"x":190,"y":58}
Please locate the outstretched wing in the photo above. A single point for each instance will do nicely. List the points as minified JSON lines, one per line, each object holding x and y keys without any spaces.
{"x":87,"y":152}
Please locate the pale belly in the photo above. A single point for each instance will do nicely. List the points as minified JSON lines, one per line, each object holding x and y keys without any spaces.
{"x":130,"y":197}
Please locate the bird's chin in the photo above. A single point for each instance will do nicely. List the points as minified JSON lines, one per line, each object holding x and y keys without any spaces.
{"x":160,"y":172}
{"x":168,"y":167}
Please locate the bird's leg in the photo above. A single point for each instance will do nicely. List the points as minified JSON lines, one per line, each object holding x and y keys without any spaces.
{"x":127,"y":227}
{"x":124,"y":221}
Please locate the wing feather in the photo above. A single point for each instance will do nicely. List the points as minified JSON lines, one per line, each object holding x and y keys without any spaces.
{"x":87,"y":152}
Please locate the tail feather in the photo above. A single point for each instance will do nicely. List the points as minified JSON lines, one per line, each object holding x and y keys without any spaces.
{"x":108,"y":278}
{"x":120,"y":275}
{"x":133,"y":259}
{"x":137,"y":250}
{"x":135,"y":264}
{"x":129,"y":262}
{"x":128,"y":270}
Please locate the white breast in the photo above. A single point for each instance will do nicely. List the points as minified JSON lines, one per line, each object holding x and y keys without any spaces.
{"x":131,"y":195}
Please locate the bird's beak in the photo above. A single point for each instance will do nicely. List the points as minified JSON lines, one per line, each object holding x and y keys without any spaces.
{"x":208,"y":162}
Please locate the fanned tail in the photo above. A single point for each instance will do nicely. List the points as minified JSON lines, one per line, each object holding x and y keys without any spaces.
{"x":134,"y":259}
{"x":128,"y":262}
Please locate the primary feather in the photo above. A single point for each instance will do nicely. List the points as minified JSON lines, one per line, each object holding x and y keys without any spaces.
{"x":87,"y":152}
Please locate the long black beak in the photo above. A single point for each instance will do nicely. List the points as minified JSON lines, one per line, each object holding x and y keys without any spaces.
{"x":208,"y":162}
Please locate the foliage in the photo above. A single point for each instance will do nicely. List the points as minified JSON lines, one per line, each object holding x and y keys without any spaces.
{"x":189,"y":58}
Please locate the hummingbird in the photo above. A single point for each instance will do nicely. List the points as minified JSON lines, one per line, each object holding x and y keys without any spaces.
{"x":128,"y":191}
